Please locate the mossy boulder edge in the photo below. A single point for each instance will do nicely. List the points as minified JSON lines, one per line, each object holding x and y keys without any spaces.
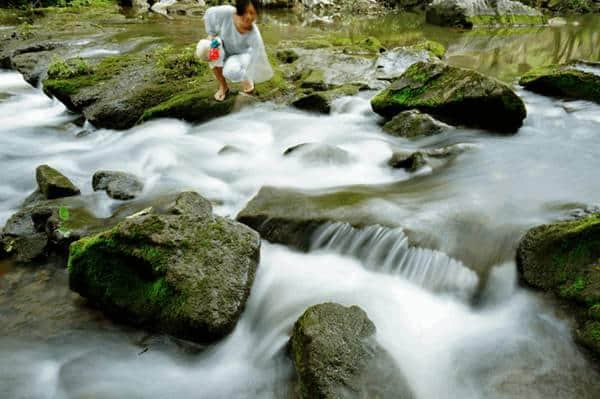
{"x":457,"y":96}
{"x":176,"y":269}
{"x":564,"y":258}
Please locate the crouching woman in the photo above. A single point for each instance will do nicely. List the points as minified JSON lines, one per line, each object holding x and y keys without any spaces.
{"x":234,"y":48}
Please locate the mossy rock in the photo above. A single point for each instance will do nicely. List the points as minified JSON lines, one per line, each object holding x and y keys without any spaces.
{"x":563,"y":81}
{"x":589,"y":335}
{"x":290,"y":217}
{"x":564,"y":258}
{"x":38,"y":229}
{"x":193,"y":106}
{"x":177,"y":269}
{"x":470,"y":13}
{"x":336,"y":356}
{"x":413,"y":124}
{"x":53,"y":184}
{"x":435,"y":48}
{"x":457,"y":96}
{"x":287,"y":56}
{"x":321,"y":101}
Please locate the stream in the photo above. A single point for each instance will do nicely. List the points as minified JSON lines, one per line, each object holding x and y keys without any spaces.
{"x":466,"y":218}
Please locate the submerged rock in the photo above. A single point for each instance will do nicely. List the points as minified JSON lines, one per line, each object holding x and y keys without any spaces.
{"x":319,"y":153}
{"x":176,"y":269}
{"x":469,"y":13}
{"x":454,"y":95}
{"x":118,"y":185}
{"x":564,"y":258}
{"x":434,"y":158}
{"x":335,"y":354}
{"x":53,"y":184}
{"x":413,"y":124}
{"x":579,"y":80}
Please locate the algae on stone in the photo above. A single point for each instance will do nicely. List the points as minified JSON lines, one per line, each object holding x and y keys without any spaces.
{"x":454,"y":95}
{"x":563,"y":81}
{"x":178,"y":269}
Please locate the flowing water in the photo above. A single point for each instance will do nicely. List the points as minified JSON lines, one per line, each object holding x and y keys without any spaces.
{"x":455,"y":233}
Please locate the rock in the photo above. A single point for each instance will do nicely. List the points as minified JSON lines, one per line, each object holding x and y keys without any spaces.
{"x":413,"y":124}
{"x":469,"y":13}
{"x":34,"y":197}
{"x":230,"y":149}
{"x":557,"y":21}
{"x":564,"y":258}
{"x":579,"y":80}
{"x":287,"y":56}
{"x":37,"y":229}
{"x":32,"y":59}
{"x":434,"y":158}
{"x":199,"y":106}
{"x":318,"y":153}
{"x":321,"y":101}
{"x":290,"y":217}
{"x":410,"y":162}
{"x":454,"y":95}
{"x":123,"y":90}
{"x":53,"y":184}
{"x":176,"y":269}
{"x":335,"y":355}
{"x":393,"y":63}
{"x":118,"y":185}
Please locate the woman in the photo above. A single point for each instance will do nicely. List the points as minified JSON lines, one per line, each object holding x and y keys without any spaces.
{"x":241,"y":52}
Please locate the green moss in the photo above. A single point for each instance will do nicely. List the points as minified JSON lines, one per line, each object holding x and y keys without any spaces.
{"x":572,"y":290}
{"x":194,"y":105}
{"x":589,"y":335}
{"x":594,"y":312}
{"x":563,"y":81}
{"x":564,"y":256}
{"x":177,"y":63}
{"x":437,"y":49}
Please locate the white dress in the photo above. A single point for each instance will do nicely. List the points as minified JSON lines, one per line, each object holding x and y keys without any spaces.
{"x":244,"y":56}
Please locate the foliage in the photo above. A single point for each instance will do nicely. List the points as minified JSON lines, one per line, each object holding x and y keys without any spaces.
{"x":61,"y":69}
{"x":178,"y":63}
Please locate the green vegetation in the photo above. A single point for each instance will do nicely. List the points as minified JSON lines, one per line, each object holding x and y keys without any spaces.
{"x":61,"y":69}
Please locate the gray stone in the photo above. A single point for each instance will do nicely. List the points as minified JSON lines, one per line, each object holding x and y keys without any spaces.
{"x":118,"y":185}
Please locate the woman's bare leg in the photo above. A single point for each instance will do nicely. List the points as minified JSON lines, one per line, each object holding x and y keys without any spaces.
{"x":248,"y":86}
{"x":223,"y":88}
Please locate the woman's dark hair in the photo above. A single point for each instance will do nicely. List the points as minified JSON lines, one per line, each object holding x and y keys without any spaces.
{"x":240,"y":6}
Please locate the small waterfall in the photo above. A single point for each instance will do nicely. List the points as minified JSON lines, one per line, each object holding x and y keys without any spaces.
{"x":388,"y":251}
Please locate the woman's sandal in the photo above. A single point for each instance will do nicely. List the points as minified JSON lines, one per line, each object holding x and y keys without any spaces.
{"x":220,"y":97}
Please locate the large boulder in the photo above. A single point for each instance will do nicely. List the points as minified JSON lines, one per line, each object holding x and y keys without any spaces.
{"x":336,"y":356}
{"x":176,"y":268}
{"x":469,"y":13}
{"x":579,"y":80}
{"x":454,"y":95}
{"x":290,"y":217}
{"x":118,"y":185}
{"x":120,"y":91}
{"x":564,"y":258}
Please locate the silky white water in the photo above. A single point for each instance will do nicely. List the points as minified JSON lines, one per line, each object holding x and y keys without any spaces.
{"x":464,"y":221}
